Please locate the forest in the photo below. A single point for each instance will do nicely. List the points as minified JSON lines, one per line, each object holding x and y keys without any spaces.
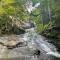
{"x":12,"y":11}
{"x":45,"y":14}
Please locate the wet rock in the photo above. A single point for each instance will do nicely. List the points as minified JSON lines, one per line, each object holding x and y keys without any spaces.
{"x":12,"y":42}
{"x":16,"y":47}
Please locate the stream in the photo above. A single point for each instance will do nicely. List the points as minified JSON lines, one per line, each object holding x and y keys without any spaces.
{"x":34,"y":47}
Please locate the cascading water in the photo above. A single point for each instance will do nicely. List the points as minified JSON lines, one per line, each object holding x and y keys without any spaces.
{"x":34,"y":42}
{"x":39,"y":42}
{"x":30,"y":7}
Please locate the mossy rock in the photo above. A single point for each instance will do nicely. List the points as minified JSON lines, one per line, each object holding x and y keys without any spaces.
{"x":53,"y":32}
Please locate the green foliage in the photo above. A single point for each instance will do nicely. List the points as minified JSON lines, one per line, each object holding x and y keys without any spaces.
{"x":56,"y":12}
{"x":5,"y":24}
{"x":10,"y":8}
{"x":16,"y":9}
{"x":36,"y":17}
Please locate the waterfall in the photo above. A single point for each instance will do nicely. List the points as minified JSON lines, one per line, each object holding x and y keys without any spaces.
{"x":56,"y":54}
{"x":39,"y":42}
{"x":30,"y":7}
{"x":34,"y":41}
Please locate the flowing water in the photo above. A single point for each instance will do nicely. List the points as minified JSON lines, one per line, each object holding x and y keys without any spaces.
{"x":34,"y":42}
{"x":39,"y":42}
